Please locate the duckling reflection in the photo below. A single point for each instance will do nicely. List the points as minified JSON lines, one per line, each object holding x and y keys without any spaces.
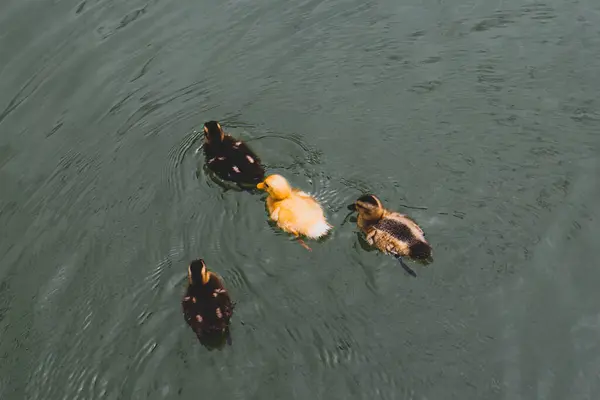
{"x":216,"y":340}
{"x":207,"y":307}
{"x":391,"y":232}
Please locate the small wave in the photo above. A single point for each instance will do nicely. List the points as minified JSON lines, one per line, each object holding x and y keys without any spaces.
{"x":174,"y":174}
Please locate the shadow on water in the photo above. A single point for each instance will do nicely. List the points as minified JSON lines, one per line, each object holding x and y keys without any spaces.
{"x":216,"y":341}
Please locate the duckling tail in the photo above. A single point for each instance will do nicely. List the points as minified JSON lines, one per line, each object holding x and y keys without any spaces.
{"x":319,"y":229}
{"x":420,"y":251}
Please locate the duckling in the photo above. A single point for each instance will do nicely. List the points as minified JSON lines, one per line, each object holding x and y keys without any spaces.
{"x":229,"y":158}
{"x":294,"y":211}
{"x":391,"y":232}
{"x":206,"y":305}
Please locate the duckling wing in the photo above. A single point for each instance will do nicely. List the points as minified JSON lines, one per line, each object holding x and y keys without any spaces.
{"x":207,"y":310}
{"x":386,"y":242}
{"x":220,"y":164}
{"x":395,"y":229}
{"x":246,"y":165}
{"x":286,"y":218}
{"x":224,"y":305}
{"x":301,"y":214}
{"x":193,"y":311}
{"x":221,"y":296}
{"x":244,"y":151}
{"x":405,"y":219}
{"x":234,"y":161}
{"x":394,"y":235}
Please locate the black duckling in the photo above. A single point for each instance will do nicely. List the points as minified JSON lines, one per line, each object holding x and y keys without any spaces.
{"x":206,"y":305}
{"x":391,"y":232}
{"x":231,"y":159}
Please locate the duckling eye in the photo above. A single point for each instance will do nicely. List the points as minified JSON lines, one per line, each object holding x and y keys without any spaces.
{"x":266,"y":185}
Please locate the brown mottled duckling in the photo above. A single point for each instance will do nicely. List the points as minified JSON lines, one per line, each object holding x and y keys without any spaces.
{"x":206,"y":305}
{"x":229,"y":158}
{"x":391,"y":232}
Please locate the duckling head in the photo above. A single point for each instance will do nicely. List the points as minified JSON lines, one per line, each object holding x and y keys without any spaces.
{"x":277,"y":187}
{"x":198,"y":273}
{"x":369,"y":207}
{"x":213,"y":133}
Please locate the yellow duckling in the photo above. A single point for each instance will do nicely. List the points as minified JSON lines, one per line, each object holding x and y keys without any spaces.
{"x":294,"y":211}
{"x":391,"y":232}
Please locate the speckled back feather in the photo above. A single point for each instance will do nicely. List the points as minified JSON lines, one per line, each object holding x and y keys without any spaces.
{"x":233,"y":160}
{"x":207,"y":308}
{"x":397,"y":229}
{"x":399,"y":235}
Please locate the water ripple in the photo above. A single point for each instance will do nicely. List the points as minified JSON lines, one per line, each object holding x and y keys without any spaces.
{"x":470,"y":114}
{"x":175,"y":171}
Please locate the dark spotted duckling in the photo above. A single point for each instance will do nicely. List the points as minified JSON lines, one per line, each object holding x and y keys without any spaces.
{"x":207,"y":307}
{"x":391,"y":232}
{"x":231,"y":159}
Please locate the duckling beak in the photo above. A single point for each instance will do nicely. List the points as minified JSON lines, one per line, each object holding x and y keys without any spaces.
{"x":352,"y":207}
{"x":261,"y":186}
